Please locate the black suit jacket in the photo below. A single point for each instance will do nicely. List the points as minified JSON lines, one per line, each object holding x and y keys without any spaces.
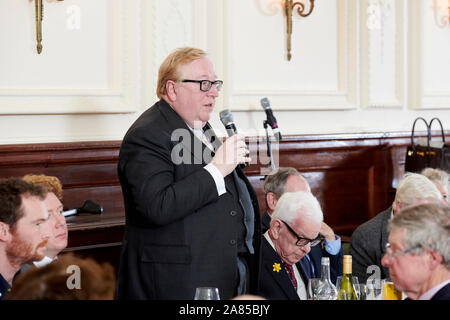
{"x":315,"y":255}
{"x":273,"y":284}
{"x":179,"y":233}
{"x":443,"y":294}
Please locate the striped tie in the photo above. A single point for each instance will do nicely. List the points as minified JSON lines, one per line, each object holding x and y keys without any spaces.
{"x":290,"y":271}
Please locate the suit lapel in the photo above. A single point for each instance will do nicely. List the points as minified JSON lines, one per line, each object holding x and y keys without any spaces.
{"x":189,"y":141}
{"x":272,"y":262}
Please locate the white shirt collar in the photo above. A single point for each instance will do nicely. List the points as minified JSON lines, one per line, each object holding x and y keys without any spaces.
{"x":43,"y":262}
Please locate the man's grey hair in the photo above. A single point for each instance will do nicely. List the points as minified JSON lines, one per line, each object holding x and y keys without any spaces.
{"x":414,"y":187}
{"x":298,"y":205}
{"x":437,"y":175}
{"x":276,"y":181}
{"x":426,"y":225}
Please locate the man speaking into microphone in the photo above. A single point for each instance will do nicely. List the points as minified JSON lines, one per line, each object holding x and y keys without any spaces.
{"x":191,"y":220}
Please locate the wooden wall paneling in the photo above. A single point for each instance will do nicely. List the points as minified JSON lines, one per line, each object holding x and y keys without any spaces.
{"x":354,"y":176}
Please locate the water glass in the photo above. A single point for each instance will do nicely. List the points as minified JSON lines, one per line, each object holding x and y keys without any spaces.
{"x":313,"y":286}
{"x":206,"y":293}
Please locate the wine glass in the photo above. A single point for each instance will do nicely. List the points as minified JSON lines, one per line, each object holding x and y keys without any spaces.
{"x":363,"y":291}
{"x":313,"y":286}
{"x":373,"y":287}
{"x":206,"y":293}
{"x":355,"y":285}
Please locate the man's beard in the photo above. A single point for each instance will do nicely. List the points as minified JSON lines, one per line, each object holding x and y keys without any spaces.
{"x":20,"y":252}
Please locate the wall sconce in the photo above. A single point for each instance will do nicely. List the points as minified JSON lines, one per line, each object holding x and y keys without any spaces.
{"x":39,"y":7}
{"x":289,"y":6}
{"x":441,"y":14}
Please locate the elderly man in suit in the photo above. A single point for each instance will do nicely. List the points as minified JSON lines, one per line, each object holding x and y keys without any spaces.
{"x":290,"y":180}
{"x":192,"y":217}
{"x":418,"y":252}
{"x":294,"y":228}
{"x":368,"y":243}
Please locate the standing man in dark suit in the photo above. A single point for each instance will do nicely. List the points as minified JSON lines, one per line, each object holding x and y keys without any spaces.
{"x":368,"y":243}
{"x":290,"y":180}
{"x":192,"y":217}
{"x":418,"y":251}
{"x":294,"y":228}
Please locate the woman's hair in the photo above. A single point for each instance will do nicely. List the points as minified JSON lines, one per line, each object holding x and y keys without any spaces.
{"x":70,"y":277}
{"x":170,"y":68}
{"x":49,"y":183}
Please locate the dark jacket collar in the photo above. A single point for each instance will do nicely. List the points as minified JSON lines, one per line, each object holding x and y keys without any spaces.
{"x":4,"y":287}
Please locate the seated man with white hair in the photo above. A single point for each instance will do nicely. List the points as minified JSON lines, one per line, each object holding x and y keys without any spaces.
{"x":368,"y":242}
{"x":294,"y":228}
{"x":418,"y":252}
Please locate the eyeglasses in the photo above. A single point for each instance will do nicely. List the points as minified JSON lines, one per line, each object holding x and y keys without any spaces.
{"x":205,"y":85}
{"x":399,"y":253}
{"x":301,"y":242}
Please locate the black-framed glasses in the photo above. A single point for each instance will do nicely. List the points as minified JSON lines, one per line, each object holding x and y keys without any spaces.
{"x":301,"y":241}
{"x":205,"y":85}
{"x":399,"y":253}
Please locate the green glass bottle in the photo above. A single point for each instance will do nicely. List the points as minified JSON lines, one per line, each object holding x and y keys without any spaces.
{"x":347,"y":291}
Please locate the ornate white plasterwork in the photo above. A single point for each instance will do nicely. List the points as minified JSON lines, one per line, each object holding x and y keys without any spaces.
{"x":382,"y":51}
{"x":246,"y":98}
{"x":122,"y":93}
{"x":428,"y":95}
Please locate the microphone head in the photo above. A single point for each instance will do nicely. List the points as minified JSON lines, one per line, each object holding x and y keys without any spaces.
{"x":226,"y":117}
{"x":265,"y":103}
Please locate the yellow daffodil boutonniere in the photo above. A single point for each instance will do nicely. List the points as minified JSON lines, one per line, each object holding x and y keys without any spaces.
{"x":276,"y":267}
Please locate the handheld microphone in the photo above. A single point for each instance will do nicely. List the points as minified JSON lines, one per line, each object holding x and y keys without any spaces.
{"x":227,"y":119}
{"x":89,"y":206}
{"x":270,"y":118}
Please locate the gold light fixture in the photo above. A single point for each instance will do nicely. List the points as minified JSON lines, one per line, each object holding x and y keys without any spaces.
{"x":441,"y":14}
{"x":289,"y":6}
{"x":39,"y":7}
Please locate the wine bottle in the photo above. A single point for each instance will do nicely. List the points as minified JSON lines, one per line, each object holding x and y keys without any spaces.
{"x":347,"y":290}
{"x":326,"y":290}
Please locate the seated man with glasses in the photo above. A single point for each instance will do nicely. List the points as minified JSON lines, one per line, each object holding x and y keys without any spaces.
{"x":294,"y":229}
{"x":418,"y":251}
{"x":288,"y":179}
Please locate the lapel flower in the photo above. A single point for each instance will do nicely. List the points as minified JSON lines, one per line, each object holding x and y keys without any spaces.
{"x":276,"y":267}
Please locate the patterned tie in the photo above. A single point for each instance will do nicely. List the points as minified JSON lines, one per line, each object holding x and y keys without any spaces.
{"x":290,"y":271}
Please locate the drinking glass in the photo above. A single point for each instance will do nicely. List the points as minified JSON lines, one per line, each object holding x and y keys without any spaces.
{"x":355,"y":285}
{"x":313,"y":285}
{"x":363,"y":291}
{"x":373,"y":288}
{"x":206,"y":293}
{"x":389,"y":292}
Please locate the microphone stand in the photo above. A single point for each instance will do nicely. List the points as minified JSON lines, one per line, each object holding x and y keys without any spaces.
{"x":269,"y":148}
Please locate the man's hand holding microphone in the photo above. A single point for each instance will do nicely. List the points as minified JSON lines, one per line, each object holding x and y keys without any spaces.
{"x":231,"y":153}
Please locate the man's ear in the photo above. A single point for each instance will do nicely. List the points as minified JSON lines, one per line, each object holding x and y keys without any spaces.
{"x":436,"y":259}
{"x":170,"y":90}
{"x":271,"y":200}
{"x":275,"y":228}
{"x":4,"y":232}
